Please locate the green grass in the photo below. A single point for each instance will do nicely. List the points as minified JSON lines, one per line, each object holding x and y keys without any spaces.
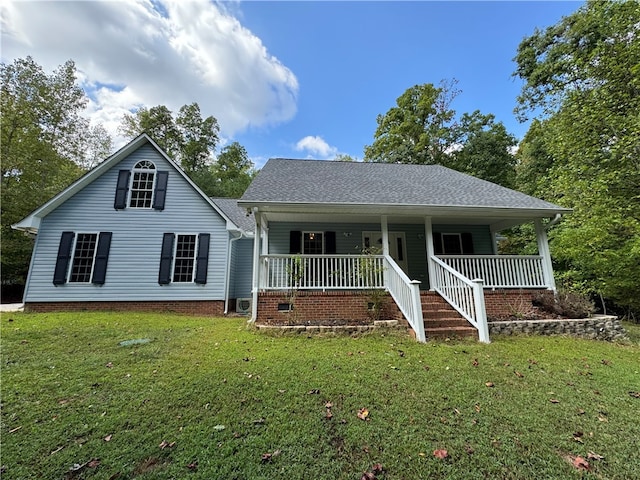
{"x":226,"y":395}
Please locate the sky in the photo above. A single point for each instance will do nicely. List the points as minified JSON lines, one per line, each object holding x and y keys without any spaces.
{"x":284,"y":79}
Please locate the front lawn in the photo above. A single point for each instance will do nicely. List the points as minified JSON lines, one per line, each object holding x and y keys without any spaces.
{"x":187,"y":397}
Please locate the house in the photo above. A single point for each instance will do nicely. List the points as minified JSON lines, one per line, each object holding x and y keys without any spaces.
{"x":310,"y":241}
{"x":435,"y":230}
{"x":136,"y":233}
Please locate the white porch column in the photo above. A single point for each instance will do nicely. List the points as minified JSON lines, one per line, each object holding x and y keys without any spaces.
{"x":494,"y":241}
{"x":428,"y":238}
{"x":545,"y":253}
{"x":256,"y":265}
{"x":385,"y":235}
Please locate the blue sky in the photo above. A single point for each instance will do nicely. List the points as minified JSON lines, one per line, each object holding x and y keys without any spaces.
{"x":285,"y":79}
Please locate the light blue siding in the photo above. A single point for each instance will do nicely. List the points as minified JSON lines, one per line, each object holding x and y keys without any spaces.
{"x":134,"y":257}
{"x":241,"y":268}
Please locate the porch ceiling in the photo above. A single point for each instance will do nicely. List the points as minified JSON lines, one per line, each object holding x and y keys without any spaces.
{"x":372,"y":214}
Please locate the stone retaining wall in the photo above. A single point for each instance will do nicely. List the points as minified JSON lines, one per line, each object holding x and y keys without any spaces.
{"x":601,"y":327}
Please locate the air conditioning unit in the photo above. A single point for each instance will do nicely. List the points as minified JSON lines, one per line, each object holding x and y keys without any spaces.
{"x":243,"y":306}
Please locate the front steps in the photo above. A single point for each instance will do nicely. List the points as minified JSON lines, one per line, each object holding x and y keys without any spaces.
{"x":441,"y":320}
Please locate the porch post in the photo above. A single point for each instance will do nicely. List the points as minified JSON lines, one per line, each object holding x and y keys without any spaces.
{"x":256,"y":266}
{"x":545,"y":253}
{"x":385,"y":246}
{"x":428,"y":237}
{"x":264,"y":224}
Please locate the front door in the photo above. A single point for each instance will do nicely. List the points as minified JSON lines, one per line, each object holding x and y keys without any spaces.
{"x":397,"y":246}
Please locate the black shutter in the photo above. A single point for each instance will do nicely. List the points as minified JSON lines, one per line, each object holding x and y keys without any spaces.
{"x":295,"y":242}
{"x":102,"y":257}
{"x":202,"y":259}
{"x":161,"y":190}
{"x":437,"y":244}
{"x":64,"y":256}
{"x":122,"y":187}
{"x":330,"y":243}
{"x":166,"y":256}
{"x":467,"y":243}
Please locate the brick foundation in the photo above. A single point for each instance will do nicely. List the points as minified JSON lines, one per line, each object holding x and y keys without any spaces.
{"x":323,"y":308}
{"x":214,"y":308}
{"x":503,"y":303}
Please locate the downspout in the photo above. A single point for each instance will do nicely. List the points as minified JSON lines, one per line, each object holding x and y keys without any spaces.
{"x":553,"y":221}
{"x":226,"y":292}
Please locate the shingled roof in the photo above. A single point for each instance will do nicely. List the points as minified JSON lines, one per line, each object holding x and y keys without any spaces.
{"x":237,"y":215}
{"x":326,"y":182}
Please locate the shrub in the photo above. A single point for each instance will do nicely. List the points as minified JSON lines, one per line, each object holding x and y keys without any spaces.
{"x":565,"y":303}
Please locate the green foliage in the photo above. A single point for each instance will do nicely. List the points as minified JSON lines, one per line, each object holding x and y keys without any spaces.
{"x":226,"y":395}
{"x":418,"y":130}
{"x":45,"y":143}
{"x":188,"y":138}
{"x":584,"y":74}
{"x":423,"y":129}
{"x":565,"y":303}
{"x":232,"y":171}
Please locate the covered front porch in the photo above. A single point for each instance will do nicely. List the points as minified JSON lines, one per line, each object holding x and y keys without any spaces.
{"x":402,"y":254}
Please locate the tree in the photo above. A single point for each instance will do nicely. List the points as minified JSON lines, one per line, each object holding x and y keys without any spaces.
{"x":485,"y":150}
{"x":582,"y":76}
{"x":44,"y":143}
{"x":418,"y":130}
{"x":188,"y":138}
{"x":232,"y":172}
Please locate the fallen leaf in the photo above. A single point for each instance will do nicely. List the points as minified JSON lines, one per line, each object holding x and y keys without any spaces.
{"x":267,"y":457}
{"x":367,"y":476}
{"x":93,"y":463}
{"x":328,"y":405}
{"x":606,"y":362}
{"x":193,"y":466}
{"x":314,"y":391}
{"x":219,"y":427}
{"x":109,"y":365}
{"x":363,"y":414}
{"x":581,"y":412}
{"x":401,"y":353}
{"x":164,"y":444}
{"x":328,"y":415}
{"x":475,"y":362}
{"x":489,"y":384}
{"x":259,"y":421}
{"x":518,"y":374}
{"x":577,"y":437}
{"x":349,"y":354}
{"x":108,"y":438}
{"x":377,"y":468}
{"x":441,"y":454}
{"x":635,"y":394}
{"x":554,"y":400}
{"x":580,"y":463}
{"x":594,"y":456}
{"x":469,"y":449}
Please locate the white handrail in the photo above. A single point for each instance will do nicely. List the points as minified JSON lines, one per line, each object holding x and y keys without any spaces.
{"x":463,"y":294}
{"x":406,"y":294}
{"x":500,"y":271}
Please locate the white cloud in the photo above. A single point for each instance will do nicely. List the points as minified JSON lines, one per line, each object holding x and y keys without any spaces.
{"x":155,"y":52}
{"x":316,"y":146}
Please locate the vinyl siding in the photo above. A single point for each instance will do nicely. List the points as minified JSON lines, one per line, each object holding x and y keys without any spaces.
{"x":134,"y":257}
{"x":352,"y":244}
{"x":241,"y":268}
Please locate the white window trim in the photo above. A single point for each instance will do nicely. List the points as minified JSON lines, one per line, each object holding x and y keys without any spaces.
{"x":195,"y":257}
{"x":135,"y":170}
{"x":73,"y":257}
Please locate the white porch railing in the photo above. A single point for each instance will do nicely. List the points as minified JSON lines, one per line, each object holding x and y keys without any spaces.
{"x":465,"y":295}
{"x":322,"y":272}
{"x":406,"y":294}
{"x":500,"y":271}
{"x":345,"y":272}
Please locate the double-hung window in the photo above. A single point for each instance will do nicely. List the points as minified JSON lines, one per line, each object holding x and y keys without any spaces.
{"x":144,"y":186}
{"x":82,"y":258}
{"x":184,"y":258}
{"x":142,"y":182}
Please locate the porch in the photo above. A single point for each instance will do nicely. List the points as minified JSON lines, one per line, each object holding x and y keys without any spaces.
{"x":455,"y":261}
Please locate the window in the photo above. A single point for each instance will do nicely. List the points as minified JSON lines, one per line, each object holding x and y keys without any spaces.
{"x":88,"y":255}
{"x":146,"y":188}
{"x":453,"y":243}
{"x":83,"y":256}
{"x":144,"y":174}
{"x":184,"y":258}
{"x":312,"y":243}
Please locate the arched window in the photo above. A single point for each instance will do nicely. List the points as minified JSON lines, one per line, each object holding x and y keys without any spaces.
{"x":142,"y":184}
